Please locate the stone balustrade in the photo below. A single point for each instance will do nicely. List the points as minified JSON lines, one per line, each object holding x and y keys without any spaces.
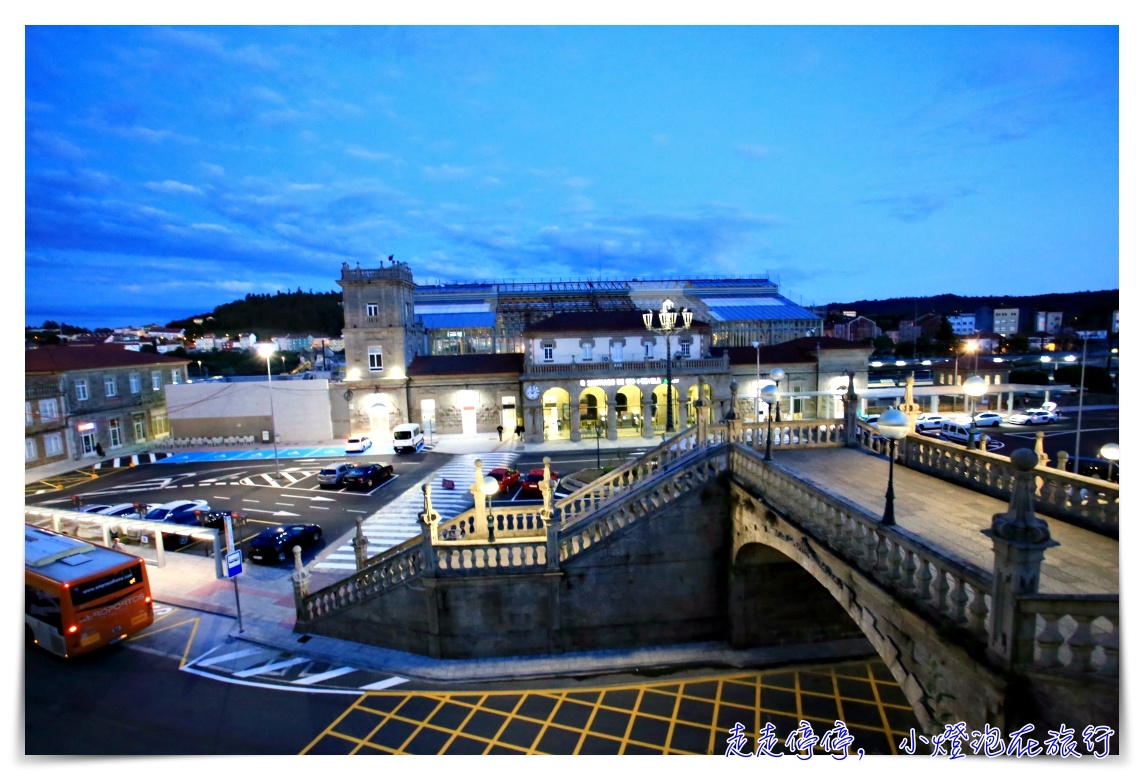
{"x":1085,"y":501}
{"x":639,"y":501}
{"x":508,"y":557}
{"x":793,"y":434}
{"x":386,"y":570}
{"x":900,"y":561}
{"x":1075,"y":634}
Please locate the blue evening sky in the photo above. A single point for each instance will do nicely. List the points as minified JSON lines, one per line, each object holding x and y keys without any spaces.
{"x":173,"y":169}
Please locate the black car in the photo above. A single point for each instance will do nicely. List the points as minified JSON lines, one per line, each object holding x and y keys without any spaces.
{"x":276,"y":545}
{"x":367,"y":475}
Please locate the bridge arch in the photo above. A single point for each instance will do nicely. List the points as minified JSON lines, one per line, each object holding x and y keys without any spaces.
{"x":938,"y":676}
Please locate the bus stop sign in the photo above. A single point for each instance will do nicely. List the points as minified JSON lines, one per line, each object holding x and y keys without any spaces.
{"x":234,"y":563}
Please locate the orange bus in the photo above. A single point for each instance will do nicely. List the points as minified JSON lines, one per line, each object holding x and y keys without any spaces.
{"x":80,"y":596}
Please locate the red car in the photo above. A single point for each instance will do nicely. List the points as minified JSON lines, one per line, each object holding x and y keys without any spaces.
{"x":506,"y":478}
{"x":530,"y":485}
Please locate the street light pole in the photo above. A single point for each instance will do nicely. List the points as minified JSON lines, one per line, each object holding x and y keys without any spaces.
{"x":893,"y":424}
{"x":1080,"y":405}
{"x":667,"y":319}
{"x":758,"y":380}
{"x":771,"y":396}
{"x":267,"y":351}
{"x":777,"y":374}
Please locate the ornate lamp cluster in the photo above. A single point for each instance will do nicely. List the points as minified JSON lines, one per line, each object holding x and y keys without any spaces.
{"x":668,"y":317}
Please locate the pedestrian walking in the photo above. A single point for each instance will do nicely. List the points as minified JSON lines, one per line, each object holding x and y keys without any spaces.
{"x":118,"y":545}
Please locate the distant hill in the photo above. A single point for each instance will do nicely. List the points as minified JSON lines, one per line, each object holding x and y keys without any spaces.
{"x":318,"y":314}
{"x":1086,"y":310}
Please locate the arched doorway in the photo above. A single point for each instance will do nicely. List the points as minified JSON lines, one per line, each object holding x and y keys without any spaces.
{"x":379,"y":419}
{"x":556,"y":413}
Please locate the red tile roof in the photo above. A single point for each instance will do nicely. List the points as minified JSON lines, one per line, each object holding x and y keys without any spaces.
{"x":55,"y":358}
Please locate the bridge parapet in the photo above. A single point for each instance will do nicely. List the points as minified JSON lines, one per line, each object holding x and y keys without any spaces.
{"x":1071,"y":634}
{"x":1085,"y":501}
{"x":904,"y":564}
{"x":383,"y":571}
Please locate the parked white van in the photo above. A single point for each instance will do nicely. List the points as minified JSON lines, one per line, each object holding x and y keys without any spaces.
{"x":408,"y":438}
{"x":958,"y":433}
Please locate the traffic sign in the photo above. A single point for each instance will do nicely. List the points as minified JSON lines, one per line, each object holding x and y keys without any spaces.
{"x":234,"y":563}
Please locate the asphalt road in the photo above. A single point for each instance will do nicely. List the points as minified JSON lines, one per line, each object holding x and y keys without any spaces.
{"x":185,"y":687}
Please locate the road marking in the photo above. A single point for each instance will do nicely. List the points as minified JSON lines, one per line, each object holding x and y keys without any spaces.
{"x":381,"y":685}
{"x":218,"y":659}
{"x":317,"y":678}
{"x":272,"y":667}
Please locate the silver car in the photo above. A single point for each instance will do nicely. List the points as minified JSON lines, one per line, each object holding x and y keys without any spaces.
{"x":334,"y":474}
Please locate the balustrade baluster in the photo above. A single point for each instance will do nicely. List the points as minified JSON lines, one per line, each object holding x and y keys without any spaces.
{"x":909,"y":568}
{"x":925,"y":579}
{"x":1081,"y":644}
{"x":894,"y":574}
{"x":958,"y":600}
{"x":978,"y":611}
{"x":942,"y":591}
{"x":1111,"y":648}
{"x":881,"y":554}
{"x":1048,"y":643}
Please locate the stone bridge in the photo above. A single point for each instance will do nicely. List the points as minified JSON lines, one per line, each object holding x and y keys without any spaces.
{"x":994,"y":598}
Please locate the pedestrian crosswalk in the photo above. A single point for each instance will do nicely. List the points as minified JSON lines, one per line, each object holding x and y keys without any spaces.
{"x":131,"y":460}
{"x":398,"y":521}
{"x":268,"y":667}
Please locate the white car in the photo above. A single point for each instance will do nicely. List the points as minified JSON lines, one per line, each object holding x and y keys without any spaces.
{"x":1034,"y":417}
{"x":358,"y":444}
{"x":985,"y":419}
{"x":928,"y":422}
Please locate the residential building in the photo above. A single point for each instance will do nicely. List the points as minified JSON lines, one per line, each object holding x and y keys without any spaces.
{"x":857,"y":329}
{"x":1006,"y":321}
{"x":1049,"y":322}
{"x":79,"y":400}
{"x":964,"y":324}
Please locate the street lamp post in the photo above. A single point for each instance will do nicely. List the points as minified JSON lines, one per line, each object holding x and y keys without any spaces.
{"x":974,"y":387}
{"x":758,"y":380}
{"x":1111,"y":453}
{"x":267,"y":351}
{"x":1080,"y":404}
{"x":668,"y":317}
{"x":771,"y":395}
{"x":893,"y":424}
{"x":490,"y":487}
{"x":777,"y":374}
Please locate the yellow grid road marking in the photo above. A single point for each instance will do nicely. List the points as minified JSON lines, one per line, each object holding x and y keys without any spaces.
{"x":683,"y":714}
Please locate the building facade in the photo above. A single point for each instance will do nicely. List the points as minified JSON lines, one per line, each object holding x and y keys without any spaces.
{"x":84,"y":401}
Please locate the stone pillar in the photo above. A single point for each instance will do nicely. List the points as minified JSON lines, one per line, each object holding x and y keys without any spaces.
{"x":611,"y":407}
{"x":533,"y":424}
{"x":430,"y":525}
{"x":1039,"y":448}
{"x":1062,"y":460}
{"x":360,"y":545}
{"x":546,"y":490}
{"x":478,"y":496}
{"x":850,"y":415}
{"x":552,"y":546}
{"x":574,"y":422}
{"x":300,"y":578}
{"x":909,"y":407}
{"x":646,"y":430}
{"x":1020,"y":539}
